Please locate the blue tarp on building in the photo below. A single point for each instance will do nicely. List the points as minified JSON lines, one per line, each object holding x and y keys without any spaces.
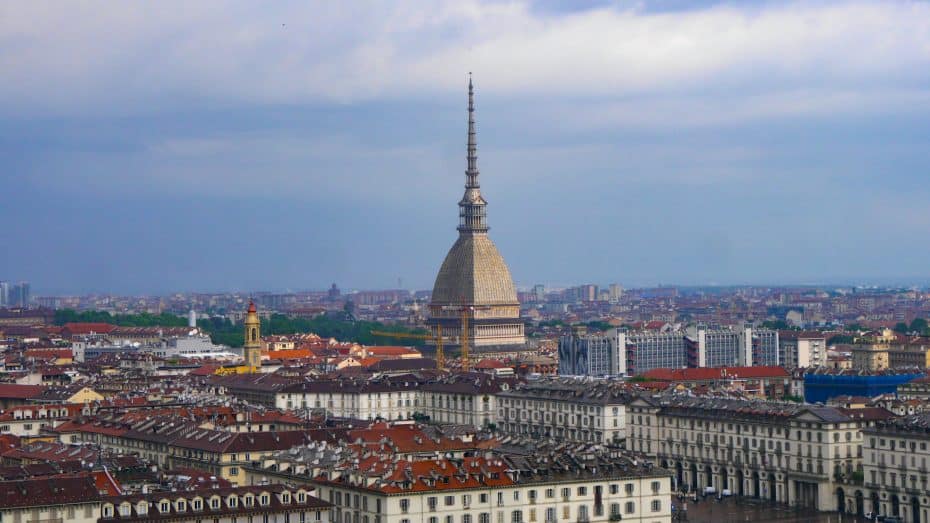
{"x":821,"y":387}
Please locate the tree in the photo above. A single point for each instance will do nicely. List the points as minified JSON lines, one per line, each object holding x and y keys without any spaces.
{"x":778,"y":325}
{"x":901,"y":327}
{"x":919,"y":325}
{"x":349,"y":309}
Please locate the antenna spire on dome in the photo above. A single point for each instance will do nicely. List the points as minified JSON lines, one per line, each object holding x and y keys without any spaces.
{"x":472,"y":216}
{"x":472,"y":172}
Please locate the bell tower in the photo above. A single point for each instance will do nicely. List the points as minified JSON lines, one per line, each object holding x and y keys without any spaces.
{"x":252,"y":350}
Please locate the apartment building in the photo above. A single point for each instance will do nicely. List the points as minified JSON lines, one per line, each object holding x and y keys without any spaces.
{"x":390,"y":399}
{"x":516,"y":483}
{"x":50,"y":499}
{"x":783,"y":452}
{"x":895,"y":479}
{"x":802,"y":349}
{"x":464,"y":398}
{"x":567,"y":409}
{"x":220,"y":505}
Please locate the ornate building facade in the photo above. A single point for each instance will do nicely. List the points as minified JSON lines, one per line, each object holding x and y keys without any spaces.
{"x":474,"y":287}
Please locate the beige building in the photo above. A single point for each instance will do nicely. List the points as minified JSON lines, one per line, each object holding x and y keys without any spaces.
{"x":782,"y":452}
{"x":520,"y":483}
{"x":799,"y":349}
{"x":223,"y":505}
{"x":567,"y":409}
{"x":895,"y":480}
{"x":50,"y":500}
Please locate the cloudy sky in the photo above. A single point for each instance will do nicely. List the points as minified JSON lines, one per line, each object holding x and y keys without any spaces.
{"x":221,"y":145}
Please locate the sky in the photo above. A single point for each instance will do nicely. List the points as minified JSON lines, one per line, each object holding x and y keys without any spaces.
{"x":221,"y":145}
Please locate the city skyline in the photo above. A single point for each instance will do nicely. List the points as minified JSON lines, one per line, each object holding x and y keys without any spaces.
{"x":697,"y":144}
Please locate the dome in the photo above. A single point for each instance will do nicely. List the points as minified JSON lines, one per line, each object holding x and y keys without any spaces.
{"x":474,"y":273}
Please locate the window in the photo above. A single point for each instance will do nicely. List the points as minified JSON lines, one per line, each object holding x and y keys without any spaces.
{"x":500,"y":499}
{"x":196,"y":504}
{"x":404,"y":505}
{"x":629,"y":508}
{"x":566,"y":492}
{"x":615,"y":489}
{"x":483,"y":498}
{"x":484,"y":517}
{"x":516,"y":516}
{"x":516,"y":495}
{"x":655,"y":487}
{"x":466,"y":500}
{"x":582,"y":491}
{"x":450,"y":500}
{"x":215,"y":503}
{"x":614,"y":509}
{"x":550,"y":515}
{"x":466,"y":518}
{"x":550,"y":493}
{"x":629,"y":489}
{"x":431,"y":503}
{"x":450,"y":519}
{"x":656,"y":505}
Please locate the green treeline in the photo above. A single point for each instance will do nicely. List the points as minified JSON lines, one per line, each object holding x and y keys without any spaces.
{"x":223,"y":331}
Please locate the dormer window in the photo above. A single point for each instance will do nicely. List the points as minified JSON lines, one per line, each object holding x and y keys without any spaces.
{"x":247,"y":501}
{"x":164,"y":507}
{"x":215,"y":503}
{"x":125,"y":509}
{"x":301,"y":497}
{"x":108,"y":511}
{"x":233,"y":502}
{"x":142,"y":508}
{"x":285,"y":497}
{"x":180,"y":505}
{"x":197,"y":504}
{"x":264,"y":499}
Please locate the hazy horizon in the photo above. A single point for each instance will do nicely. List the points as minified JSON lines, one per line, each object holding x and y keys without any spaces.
{"x":173,"y":147}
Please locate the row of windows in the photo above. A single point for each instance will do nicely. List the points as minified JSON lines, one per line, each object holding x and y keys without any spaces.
{"x":433,"y":501}
{"x":551,"y":514}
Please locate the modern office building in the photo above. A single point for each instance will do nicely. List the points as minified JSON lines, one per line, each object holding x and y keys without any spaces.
{"x":618,"y":353}
{"x":598,"y":355}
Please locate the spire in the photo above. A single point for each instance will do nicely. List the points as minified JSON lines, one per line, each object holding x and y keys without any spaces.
{"x":472,"y":206}
{"x":471,"y":174}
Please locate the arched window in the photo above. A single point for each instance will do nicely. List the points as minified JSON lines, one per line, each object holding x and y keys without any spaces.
{"x":254,"y":333}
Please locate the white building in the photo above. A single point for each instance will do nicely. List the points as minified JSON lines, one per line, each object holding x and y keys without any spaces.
{"x":521,"y":483}
{"x":783,"y":452}
{"x":895,"y":479}
{"x":581,"y":410}
{"x":799,"y":350}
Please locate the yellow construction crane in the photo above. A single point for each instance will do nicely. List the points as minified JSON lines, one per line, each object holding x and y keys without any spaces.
{"x":440,"y":357}
{"x":464,"y":339}
{"x":438,"y":339}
